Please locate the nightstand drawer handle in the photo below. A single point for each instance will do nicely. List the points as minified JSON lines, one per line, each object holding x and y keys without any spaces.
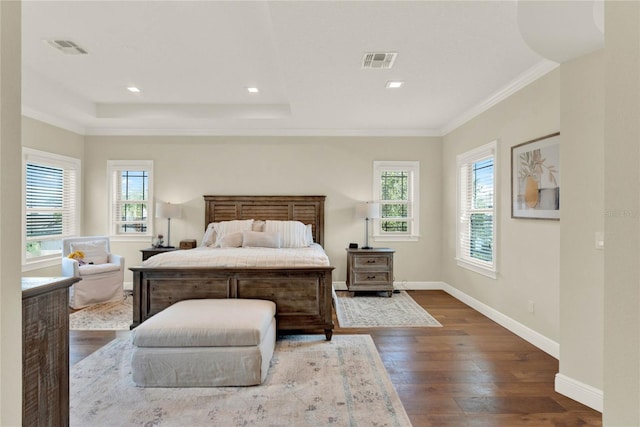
{"x":371,"y":277}
{"x":371,"y":261}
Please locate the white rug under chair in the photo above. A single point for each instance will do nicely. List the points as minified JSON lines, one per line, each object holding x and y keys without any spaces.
{"x":110,"y":316}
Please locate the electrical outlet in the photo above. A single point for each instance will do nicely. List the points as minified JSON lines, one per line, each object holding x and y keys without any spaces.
{"x":532,"y":307}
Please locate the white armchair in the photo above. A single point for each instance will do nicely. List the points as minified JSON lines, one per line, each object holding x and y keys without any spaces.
{"x":102,"y":273}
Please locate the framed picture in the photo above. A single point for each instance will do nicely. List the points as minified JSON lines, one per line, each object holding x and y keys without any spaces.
{"x":535,"y":178}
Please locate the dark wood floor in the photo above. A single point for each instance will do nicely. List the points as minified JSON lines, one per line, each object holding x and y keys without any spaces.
{"x":471,"y":372}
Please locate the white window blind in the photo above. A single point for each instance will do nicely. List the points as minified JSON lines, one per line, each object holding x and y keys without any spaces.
{"x":51,"y":203}
{"x":131,"y":185}
{"x":396,"y":189}
{"x":476,"y":243}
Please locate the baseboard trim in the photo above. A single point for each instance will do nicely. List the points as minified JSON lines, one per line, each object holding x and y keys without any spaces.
{"x":573,"y":389}
{"x":543,"y":343}
{"x":579,"y":391}
{"x":402,"y":286}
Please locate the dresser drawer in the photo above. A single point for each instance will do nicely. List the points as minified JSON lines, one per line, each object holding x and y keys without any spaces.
{"x":372,"y":262}
{"x":371,"y":278}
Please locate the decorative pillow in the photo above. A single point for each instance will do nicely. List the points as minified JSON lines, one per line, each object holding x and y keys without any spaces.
{"x":261,"y":239}
{"x":233,"y":240}
{"x":294,"y":233}
{"x":229,"y":227}
{"x":258,"y":225}
{"x":95,"y":251}
{"x":209,"y":238}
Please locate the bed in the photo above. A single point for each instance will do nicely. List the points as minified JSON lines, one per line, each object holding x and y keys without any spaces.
{"x":302,"y":294}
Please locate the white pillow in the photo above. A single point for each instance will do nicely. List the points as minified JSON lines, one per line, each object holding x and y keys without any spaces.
{"x":209,"y":238}
{"x":229,"y":227}
{"x":261,"y":239}
{"x":231,"y":240}
{"x":294,"y":233}
{"x":310,"y":233}
{"x":95,"y":251}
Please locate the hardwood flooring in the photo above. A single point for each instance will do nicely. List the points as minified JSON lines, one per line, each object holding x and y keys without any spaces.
{"x":469,"y":373}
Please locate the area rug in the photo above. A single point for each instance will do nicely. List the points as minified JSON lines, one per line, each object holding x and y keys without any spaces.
{"x":311,"y":382}
{"x":362,"y":311}
{"x":114,"y":316}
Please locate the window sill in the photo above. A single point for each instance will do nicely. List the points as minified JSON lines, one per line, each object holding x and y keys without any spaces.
{"x":139,"y":238}
{"x":477,"y":268}
{"x":396,"y":238}
{"x":38,"y":264}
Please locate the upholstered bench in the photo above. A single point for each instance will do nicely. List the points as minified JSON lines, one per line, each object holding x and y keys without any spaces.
{"x":205,"y":343}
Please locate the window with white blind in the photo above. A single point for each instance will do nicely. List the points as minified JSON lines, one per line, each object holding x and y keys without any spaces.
{"x":51,"y":203}
{"x":130,"y":197}
{"x":395,"y":187}
{"x":476,"y":243}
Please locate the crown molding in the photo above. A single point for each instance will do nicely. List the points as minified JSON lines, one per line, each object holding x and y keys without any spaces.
{"x":532,"y":74}
{"x":263,"y":132}
{"x":53,"y":120}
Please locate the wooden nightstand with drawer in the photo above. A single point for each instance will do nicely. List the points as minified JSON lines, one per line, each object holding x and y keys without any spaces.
{"x":149,"y":252}
{"x":370,"y":270}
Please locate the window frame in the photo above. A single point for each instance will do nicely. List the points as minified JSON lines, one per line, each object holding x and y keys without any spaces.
{"x":114,"y":166}
{"x":413,"y":202}
{"x":489,"y":269}
{"x":67,"y":163}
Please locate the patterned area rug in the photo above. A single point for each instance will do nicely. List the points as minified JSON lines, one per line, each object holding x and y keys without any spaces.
{"x":311,"y":382}
{"x":112,"y":316}
{"x":380,"y":311}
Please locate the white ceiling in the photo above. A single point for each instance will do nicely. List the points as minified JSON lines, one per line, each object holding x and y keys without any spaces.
{"x":194,"y":60}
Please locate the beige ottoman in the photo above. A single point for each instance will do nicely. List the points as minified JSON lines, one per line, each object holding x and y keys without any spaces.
{"x":205,"y":343}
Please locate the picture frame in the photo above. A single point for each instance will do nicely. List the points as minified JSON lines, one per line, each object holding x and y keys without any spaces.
{"x":535,"y":178}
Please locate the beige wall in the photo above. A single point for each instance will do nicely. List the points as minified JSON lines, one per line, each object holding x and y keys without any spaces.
{"x":186,"y":168}
{"x":44,"y":137}
{"x":528,"y":251}
{"x":582,"y":265}
{"x":622,"y":215}
{"x":10,"y":213}
{"x":52,"y":139}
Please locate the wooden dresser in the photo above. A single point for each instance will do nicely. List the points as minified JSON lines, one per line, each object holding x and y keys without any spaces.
{"x":370,"y":270}
{"x":45,"y":350}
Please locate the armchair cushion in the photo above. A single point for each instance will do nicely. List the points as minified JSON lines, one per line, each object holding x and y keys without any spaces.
{"x":95,"y":251}
{"x":89,"y":269}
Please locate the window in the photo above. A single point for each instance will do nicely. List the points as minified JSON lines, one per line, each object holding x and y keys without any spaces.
{"x":395,"y":187}
{"x":476,"y":247}
{"x":130,"y":197}
{"x":51,"y":203}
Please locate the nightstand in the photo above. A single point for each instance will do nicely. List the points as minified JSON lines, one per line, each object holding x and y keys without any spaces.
{"x":370,"y":270}
{"x":149,"y":252}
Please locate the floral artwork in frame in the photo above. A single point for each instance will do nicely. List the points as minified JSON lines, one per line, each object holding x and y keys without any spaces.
{"x":535,"y":178}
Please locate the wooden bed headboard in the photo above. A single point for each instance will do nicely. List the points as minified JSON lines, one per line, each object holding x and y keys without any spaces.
{"x":306,"y":209}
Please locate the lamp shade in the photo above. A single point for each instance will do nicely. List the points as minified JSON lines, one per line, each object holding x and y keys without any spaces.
{"x":168,"y":210}
{"x":368,"y":210}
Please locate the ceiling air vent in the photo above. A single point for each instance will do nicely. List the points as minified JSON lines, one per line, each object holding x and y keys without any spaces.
{"x":379,"y":60}
{"x":67,"y":47}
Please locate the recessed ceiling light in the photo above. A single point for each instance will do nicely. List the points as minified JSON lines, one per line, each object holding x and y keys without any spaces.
{"x":133,"y":89}
{"x":252,"y":89}
{"x":394,"y":84}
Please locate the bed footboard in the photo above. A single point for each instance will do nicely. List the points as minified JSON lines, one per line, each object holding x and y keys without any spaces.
{"x":302,"y":295}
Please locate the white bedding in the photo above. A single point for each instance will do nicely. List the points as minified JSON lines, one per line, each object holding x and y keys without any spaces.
{"x":312,"y":256}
